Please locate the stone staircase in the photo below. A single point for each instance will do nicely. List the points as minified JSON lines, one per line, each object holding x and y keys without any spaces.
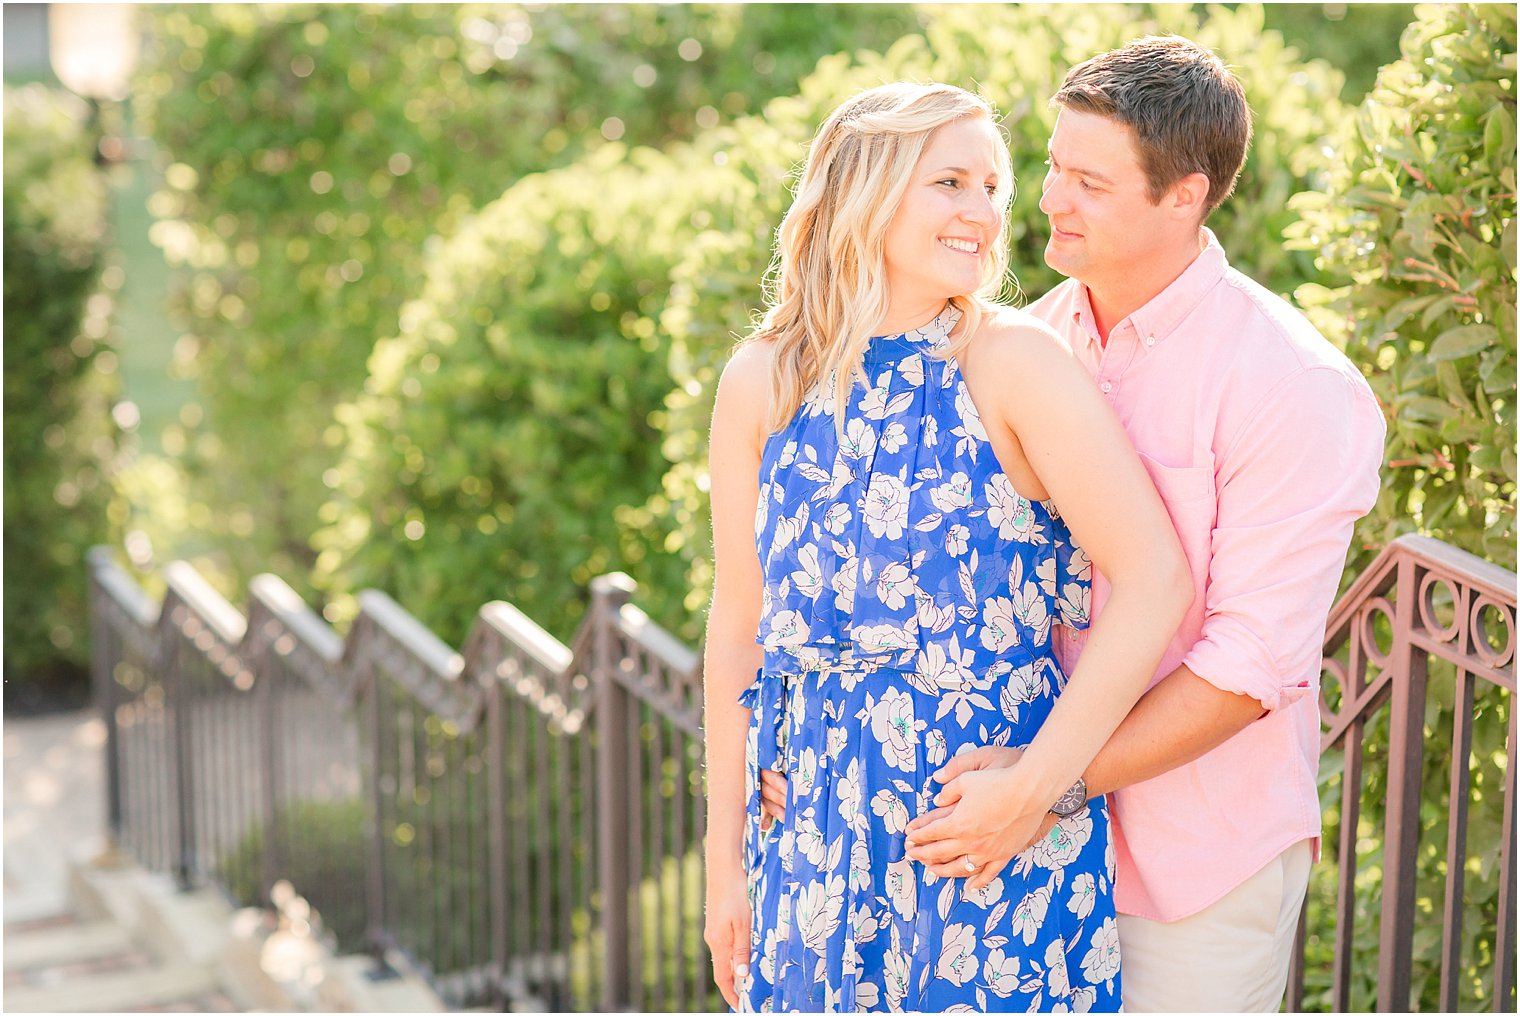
{"x":88,"y":930}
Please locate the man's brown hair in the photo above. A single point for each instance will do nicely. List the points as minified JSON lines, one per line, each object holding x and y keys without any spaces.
{"x":1188,"y":112}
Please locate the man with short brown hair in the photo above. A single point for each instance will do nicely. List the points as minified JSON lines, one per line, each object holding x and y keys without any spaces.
{"x":1264,"y":441}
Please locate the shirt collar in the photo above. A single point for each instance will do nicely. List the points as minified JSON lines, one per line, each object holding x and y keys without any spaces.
{"x":1161,"y":315}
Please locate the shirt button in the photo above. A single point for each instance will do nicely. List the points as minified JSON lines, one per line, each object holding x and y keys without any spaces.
{"x":1150,"y":340}
{"x":1107,"y":387}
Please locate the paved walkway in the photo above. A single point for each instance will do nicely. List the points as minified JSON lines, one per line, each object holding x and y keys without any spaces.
{"x":57,"y":958}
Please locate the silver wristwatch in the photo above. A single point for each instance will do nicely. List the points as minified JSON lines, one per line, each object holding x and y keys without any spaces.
{"x":1071,"y":802}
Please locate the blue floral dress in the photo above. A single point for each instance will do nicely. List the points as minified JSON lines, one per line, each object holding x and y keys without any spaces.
{"x":909,"y":595}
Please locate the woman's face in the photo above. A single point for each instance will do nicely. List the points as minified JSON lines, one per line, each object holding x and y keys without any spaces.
{"x":951,"y":214}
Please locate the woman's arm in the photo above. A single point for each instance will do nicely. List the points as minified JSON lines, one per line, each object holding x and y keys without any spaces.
{"x":732,"y":655}
{"x":1046,"y":408}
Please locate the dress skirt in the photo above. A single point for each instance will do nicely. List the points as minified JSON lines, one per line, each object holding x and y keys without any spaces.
{"x":843,"y":921}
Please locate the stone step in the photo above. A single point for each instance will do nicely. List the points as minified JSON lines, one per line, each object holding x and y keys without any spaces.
{"x":121,"y":991}
{"x":69,"y":943}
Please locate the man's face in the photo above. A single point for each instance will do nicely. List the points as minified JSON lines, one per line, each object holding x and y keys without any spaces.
{"x":1104,"y":228}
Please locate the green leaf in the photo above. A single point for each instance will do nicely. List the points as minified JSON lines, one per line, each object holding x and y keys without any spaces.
{"x":1464,"y":340}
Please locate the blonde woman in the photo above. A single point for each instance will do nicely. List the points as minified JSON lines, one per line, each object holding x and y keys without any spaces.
{"x":888,"y":451}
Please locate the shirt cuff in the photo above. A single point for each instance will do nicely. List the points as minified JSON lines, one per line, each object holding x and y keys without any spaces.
{"x":1238,"y":662}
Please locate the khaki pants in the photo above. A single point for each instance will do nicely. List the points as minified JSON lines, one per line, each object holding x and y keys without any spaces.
{"x":1231,"y":957}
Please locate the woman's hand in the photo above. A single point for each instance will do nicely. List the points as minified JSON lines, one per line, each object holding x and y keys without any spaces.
{"x":728,"y":935}
{"x":983,"y":813}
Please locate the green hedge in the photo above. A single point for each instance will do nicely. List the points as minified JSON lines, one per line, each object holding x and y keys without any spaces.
{"x":312,"y":153}
{"x":59,"y":379}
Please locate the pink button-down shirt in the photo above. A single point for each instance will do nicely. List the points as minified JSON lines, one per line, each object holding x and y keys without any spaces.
{"x":1264,"y":441}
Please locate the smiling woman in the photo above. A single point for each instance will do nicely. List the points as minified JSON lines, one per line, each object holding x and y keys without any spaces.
{"x":894,"y":443}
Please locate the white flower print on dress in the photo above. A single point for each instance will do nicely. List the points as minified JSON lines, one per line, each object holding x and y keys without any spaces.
{"x":893,"y":813}
{"x":1075,"y":600}
{"x":762,"y":509}
{"x":1012,"y":514}
{"x":1000,"y":629}
{"x":896,"y":728}
{"x":971,"y":420}
{"x":895,"y":974}
{"x":1032,"y":610}
{"x":883,"y":638}
{"x":1001,"y":973}
{"x":957,"y":959}
{"x":836,"y":519}
{"x":988,"y":895}
{"x":1057,"y":980}
{"x":955,"y":540}
{"x":1084,"y":892}
{"x":879,"y":402}
{"x":931,"y":616}
{"x":788,"y":529}
{"x":839,"y":739}
{"x":1102,"y":960}
{"x":859,"y":439}
{"x":886,"y":507}
{"x":944,"y":666}
{"x":808,"y":580}
{"x":902,"y":888}
{"x":1029,"y":914}
{"x":1022,"y":686}
{"x":894,"y":437}
{"x":894,"y":585}
{"x":954,"y":495}
{"x":809,"y":840}
{"x":935,"y":749}
{"x":911,"y":370}
{"x":805,"y":772}
{"x":787,"y":629}
{"x":768,"y":956}
{"x":818,"y":907}
{"x":847,"y":792}
{"x":843,"y":584}
{"x":860,"y":866}
{"x":1064,"y":841}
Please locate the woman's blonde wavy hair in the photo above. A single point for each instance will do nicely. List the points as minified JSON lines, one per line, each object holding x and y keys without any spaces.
{"x":827,"y":286}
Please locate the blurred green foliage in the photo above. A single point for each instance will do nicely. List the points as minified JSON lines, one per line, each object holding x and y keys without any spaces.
{"x":1416,"y":235}
{"x":312,"y":153}
{"x":59,"y":436}
{"x":1358,"y":38}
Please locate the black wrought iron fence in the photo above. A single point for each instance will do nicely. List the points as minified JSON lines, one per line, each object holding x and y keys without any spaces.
{"x":523,"y":820}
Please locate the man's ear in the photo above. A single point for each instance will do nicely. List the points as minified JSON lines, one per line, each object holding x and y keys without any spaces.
{"x":1189,"y":197}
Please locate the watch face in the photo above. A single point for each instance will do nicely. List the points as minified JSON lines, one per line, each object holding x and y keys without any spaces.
{"x":1072,"y":801}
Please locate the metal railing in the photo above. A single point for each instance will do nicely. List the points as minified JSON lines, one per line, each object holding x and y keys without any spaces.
{"x":1418,"y":693}
{"x":523,"y":820}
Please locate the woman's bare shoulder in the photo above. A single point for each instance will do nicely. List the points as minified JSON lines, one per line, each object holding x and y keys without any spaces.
{"x":1011,"y":339}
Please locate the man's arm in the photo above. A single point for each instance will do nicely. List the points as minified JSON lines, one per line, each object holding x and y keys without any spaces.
{"x":1181,"y":719}
{"x":1300,"y":472}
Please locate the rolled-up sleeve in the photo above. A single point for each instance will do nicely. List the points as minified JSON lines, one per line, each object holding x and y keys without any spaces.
{"x":1292,"y":480}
